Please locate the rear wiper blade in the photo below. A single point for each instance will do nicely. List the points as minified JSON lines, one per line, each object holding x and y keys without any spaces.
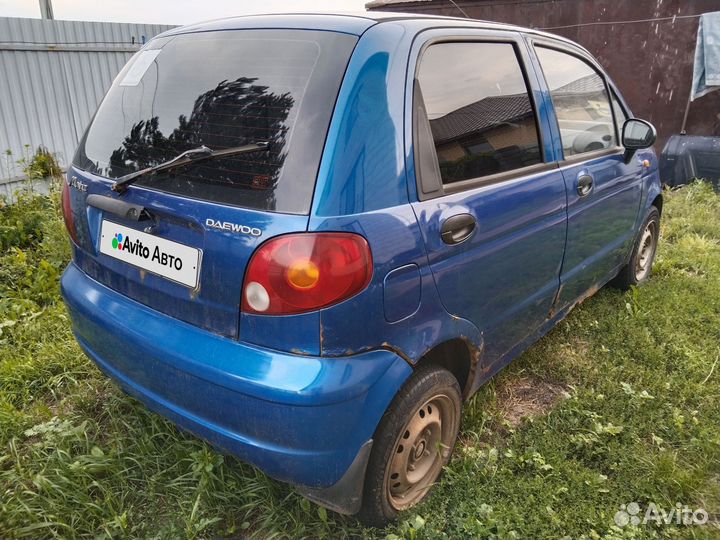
{"x":189,"y":156}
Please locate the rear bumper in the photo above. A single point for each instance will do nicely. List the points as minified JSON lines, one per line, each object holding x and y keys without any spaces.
{"x":301,"y":419}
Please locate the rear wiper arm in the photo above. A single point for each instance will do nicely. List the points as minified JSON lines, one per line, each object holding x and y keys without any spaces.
{"x":189,"y":156}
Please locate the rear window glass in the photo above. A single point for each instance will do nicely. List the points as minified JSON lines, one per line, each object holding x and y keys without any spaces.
{"x":222,"y":90}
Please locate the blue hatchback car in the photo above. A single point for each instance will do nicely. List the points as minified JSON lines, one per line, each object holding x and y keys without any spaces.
{"x":309,"y":238}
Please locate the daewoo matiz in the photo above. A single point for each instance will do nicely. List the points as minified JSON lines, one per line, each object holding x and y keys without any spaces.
{"x":309,"y":238}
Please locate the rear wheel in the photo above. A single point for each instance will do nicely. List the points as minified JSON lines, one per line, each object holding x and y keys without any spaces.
{"x":638,"y":268}
{"x":412,"y":444}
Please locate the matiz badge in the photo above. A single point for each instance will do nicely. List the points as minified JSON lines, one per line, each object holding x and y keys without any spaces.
{"x":77,"y":184}
{"x":233,"y":227}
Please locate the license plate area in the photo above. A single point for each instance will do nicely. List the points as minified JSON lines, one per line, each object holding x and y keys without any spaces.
{"x":172,"y":260}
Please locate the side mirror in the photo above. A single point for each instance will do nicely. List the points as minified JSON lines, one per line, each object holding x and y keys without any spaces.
{"x":638,"y":134}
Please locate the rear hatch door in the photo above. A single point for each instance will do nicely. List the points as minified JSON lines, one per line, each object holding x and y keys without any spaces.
{"x":179,"y":241}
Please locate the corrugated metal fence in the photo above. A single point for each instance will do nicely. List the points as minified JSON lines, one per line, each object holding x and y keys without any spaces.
{"x":53,"y":75}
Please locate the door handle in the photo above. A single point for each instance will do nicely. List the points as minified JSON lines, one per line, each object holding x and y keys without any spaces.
{"x":584,"y":184}
{"x":458,"y":228}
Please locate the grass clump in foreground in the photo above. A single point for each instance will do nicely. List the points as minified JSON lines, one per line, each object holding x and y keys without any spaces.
{"x":619,"y":404}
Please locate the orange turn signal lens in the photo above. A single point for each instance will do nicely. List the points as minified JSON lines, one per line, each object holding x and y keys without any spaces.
{"x":303,"y":274}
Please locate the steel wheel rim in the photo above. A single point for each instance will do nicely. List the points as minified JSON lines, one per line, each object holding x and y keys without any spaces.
{"x":646,"y":251}
{"x":421,"y":451}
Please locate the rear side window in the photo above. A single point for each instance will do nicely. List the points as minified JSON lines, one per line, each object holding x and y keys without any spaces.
{"x":222,"y":90}
{"x":580,"y":100}
{"x":480,"y":114}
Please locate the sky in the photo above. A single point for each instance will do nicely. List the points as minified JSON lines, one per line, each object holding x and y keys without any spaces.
{"x":170,"y":11}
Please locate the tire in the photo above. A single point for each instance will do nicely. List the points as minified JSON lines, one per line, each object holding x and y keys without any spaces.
{"x":643,"y":255}
{"x":412,"y":444}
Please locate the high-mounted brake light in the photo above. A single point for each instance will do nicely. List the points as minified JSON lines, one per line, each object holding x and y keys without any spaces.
{"x":297,"y":273}
{"x":67,"y":211}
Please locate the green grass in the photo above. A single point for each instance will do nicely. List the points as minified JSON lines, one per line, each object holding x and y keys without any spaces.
{"x":625,"y":396}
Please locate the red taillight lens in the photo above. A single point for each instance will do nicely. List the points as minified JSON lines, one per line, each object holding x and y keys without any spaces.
{"x":304,"y":272}
{"x":67,"y":211}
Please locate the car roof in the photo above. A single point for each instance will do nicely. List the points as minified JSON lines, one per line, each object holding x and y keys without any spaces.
{"x":355,"y":23}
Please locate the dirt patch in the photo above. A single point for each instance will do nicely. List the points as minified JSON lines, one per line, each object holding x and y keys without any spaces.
{"x":527,"y":396}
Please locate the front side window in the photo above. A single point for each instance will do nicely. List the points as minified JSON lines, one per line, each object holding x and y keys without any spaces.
{"x":580,"y":100}
{"x":479,"y":110}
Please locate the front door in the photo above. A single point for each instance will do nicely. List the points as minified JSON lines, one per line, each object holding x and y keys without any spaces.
{"x":603,"y":191}
{"x":492,"y":199}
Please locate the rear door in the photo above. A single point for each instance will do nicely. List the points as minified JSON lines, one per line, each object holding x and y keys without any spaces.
{"x":179,"y":242}
{"x":492,"y":200}
{"x":603,"y":191}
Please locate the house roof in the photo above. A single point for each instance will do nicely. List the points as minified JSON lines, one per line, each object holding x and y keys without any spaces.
{"x":480,"y":116}
{"x":589,"y":84}
{"x":490,"y":111}
{"x":382,"y":3}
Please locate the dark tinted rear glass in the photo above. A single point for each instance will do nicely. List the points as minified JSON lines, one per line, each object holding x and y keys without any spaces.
{"x":223,"y":89}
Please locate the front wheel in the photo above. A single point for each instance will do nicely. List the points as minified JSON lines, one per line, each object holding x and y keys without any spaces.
{"x":412,"y":444}
{"x":638,"y":268}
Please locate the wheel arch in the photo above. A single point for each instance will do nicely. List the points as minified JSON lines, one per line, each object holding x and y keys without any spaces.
{"x":657,"y":202}
{"x":459,"y":356}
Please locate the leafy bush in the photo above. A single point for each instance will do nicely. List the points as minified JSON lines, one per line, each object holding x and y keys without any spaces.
{"x":21,"y":224}
{"x":34,"y":249}
{"x":42,"y":164}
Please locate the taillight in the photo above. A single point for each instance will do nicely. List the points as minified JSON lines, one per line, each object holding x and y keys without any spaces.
{"x":304,"y":272}
{"x":67,"y":211}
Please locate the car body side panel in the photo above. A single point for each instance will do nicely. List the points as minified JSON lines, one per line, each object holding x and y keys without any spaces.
{"x":362,"y":188}
{"x":298,"y":334}
{"x":360,"y":323}
{"x":651,"y":186}
{"x":651,"y":181}
{"x":504,"y":279}
{"x":603,"y":224}
{"x":362,"y":167}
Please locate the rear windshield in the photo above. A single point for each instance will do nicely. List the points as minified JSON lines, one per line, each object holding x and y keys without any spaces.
{"x":222,"y":90}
